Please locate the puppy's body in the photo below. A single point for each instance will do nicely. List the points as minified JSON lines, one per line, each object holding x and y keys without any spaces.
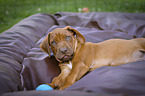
{"x":111,"y":52}
{"x":77,"y":57}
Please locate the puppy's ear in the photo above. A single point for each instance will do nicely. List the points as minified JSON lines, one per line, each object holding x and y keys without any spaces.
{"x":45,"y":45}
{"x":79,"y":36}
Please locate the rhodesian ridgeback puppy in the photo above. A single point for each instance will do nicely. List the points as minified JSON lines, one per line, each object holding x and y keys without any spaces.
{"x":76,"y":57}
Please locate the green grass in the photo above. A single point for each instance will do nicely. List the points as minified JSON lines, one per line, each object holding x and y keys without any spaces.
{"x":12,"y":11}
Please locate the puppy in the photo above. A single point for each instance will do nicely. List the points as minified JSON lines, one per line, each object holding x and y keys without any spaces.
{"x":76,"y":57}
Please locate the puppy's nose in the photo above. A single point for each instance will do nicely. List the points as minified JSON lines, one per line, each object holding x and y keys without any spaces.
{"x":63,"y":50}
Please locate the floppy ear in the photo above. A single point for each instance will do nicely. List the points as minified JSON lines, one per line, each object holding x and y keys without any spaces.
{"x":79,"y":36}
{"x":45,"y":45}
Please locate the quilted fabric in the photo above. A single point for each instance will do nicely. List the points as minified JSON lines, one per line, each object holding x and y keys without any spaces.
{"x":24,"y":66}
{"x":15,"y":43}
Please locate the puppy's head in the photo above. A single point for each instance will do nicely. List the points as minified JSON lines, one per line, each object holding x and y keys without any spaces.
{"x":63,"y":43}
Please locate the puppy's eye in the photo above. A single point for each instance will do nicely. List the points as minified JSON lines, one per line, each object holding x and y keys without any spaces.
{"x":53,"y":42}
{"x":68,"y":37}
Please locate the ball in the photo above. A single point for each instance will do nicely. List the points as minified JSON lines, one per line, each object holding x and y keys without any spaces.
{"x":44,"y":87}
{"x":85,"y":9}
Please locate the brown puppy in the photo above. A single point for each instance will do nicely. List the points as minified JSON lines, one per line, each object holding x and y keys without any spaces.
{"x":77,"y":57}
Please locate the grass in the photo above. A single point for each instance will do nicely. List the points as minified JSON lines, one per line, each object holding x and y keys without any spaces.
{"x":12,"y":11}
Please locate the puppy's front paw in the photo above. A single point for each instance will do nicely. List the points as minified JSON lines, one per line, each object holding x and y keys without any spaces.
{"x":54,"y":86}
{"x":57,"y":82}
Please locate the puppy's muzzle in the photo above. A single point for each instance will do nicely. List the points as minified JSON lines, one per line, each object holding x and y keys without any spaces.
{"x":66,"y":57}
{"x":63,"y":50}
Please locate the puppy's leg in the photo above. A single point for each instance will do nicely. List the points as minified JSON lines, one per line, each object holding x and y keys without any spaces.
{"x":72,"y":77}
{"x":58,"y":81}
{"x":83,"y":70}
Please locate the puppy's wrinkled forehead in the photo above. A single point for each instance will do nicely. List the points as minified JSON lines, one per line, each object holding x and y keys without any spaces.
{"x":60,"y":33}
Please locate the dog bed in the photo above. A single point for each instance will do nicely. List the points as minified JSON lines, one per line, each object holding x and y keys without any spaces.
{"x":23,"y":66}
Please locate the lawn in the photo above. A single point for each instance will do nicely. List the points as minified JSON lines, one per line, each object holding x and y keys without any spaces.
{"x":12,"y":11}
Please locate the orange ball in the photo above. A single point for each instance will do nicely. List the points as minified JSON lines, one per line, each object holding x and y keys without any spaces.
{"x":85,"y":9}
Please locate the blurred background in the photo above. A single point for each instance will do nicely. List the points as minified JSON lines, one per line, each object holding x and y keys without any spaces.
{"x":12,"y":11}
